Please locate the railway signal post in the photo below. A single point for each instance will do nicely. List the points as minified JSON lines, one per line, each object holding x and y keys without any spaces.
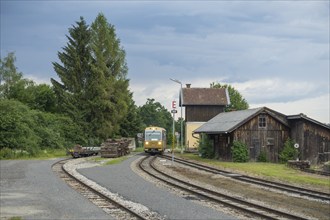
{"x":181,"y":134}
{"x":173,"y":137}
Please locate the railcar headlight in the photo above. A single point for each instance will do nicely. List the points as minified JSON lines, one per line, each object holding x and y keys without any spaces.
{"x":146,"y":142}
{"x":159,"y":143}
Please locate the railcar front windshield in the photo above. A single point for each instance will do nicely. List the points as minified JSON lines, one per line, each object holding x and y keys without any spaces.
{"x":153,"y":136}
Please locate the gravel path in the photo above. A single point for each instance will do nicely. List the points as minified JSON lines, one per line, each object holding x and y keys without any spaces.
{"x":121,"y":179}
{"x":29,"y":189}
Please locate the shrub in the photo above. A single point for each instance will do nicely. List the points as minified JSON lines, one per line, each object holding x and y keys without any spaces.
{"x":262,"y":157}
{"x":6,"y":153}
{"x":288,"y":152}
{"x":16,"y":126}
{"x":205,"y":147}
{"x":31,"y":131}
{"x":240,"y":152}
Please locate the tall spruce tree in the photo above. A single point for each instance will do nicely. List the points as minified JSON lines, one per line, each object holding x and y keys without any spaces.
{"x":109,"y":68}
{"x":75,"y":75}
{"x":94,"y":88}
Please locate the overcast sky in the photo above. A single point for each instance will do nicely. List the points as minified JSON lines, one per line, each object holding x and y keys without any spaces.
{"x":275,"y":53}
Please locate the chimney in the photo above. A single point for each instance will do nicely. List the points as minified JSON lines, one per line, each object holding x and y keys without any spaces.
{"x":188,"y":85}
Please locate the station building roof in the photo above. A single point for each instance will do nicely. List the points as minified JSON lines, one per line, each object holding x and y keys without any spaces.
{"x":227,"y":122}
{"x":204,"y":96}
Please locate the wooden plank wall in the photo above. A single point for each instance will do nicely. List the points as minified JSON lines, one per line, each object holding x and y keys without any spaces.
{"x":313,"y":140}
{"x":202,"y":113}
{"x":269,"y":139}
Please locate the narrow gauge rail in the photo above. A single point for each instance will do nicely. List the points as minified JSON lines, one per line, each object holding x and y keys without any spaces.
{"x":98,"y":198}
{"x":266,"y":183}
{"x":229,"y":201}
{"x":323,"y":173}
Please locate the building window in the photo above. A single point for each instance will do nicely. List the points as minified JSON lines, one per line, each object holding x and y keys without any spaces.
{"x":270,"y":141}
{"x":262,"y":121}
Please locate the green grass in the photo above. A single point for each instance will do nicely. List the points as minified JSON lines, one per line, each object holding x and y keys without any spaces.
{"x":270,"y":171}
{"x":116,"y":160}
{"x":42,"y":154}
{"x":139,"y":149}
{"x":97,"y":159}
{"x":15,"y":218}
{"x":52,"y":153}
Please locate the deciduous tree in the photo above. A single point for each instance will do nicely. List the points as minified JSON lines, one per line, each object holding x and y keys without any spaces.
{"x":237,"y":102}
{"x":12,"y":84}
{"x":154,"y":114}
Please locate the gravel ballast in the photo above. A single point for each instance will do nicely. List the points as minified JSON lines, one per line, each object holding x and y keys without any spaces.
{"x":30,"y":189}
{"x":121,"y":179}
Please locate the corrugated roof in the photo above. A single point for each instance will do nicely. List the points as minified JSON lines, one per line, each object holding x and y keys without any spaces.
{"x":227,"y":121}
{"x":204,"y":96}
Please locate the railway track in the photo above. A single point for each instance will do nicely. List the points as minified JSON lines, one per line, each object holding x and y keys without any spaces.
{"x":101,"y":200}
{"x":252,"y":180}
{"x":323,"y":173}
{"x":146,"y":165}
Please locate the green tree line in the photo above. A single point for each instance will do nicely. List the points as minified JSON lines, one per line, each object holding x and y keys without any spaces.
{"x":89,"y":103}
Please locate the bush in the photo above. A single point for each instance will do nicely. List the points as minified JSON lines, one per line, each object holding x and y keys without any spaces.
{"x":262,"y":157}
{"x":6,"y":153}
{"x":205,"y":147}
{"x":16,"y":126}
{"x":240,"y":152}
{"x":288,"y":152}
{"x":30,"y":131}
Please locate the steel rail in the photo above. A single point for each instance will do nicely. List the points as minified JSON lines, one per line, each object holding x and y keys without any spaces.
{"x":318,"y":172}
{"x":226,"y":200}
{"x":266,"y":183}
{"x":100,"y":194}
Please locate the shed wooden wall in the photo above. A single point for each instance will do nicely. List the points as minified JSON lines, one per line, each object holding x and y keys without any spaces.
{"x":313,"y":140}
{"x":221,"y":145}
{"x":202,"y":113}
{"x":270,"y":139}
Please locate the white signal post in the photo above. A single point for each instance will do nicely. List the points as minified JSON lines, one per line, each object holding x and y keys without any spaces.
{"x":181,"y":134}
{"x":173,"y":111}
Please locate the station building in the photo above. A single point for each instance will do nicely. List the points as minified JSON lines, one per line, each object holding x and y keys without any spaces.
{"x":261,"y":129}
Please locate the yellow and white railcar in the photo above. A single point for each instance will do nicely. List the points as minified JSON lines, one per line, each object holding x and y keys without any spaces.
{"x":154,"y":140}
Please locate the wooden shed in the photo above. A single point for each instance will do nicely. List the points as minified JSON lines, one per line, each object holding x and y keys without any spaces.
{"x":261,"y":129}
{"x":312,"y":137}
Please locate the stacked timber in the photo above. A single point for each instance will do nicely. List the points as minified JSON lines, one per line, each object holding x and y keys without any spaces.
{"x":115,"y":148}
{"x":80,"y":151}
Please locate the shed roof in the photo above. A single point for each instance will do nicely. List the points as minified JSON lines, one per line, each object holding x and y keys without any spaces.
{"x":228,"y":121}
{"x":204,"y":96}
{"x":303,"y":116}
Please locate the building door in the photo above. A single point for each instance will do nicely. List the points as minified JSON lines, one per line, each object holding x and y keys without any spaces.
{"x":224,"y":152}
{"x":216,"y":146}
{"x":255,"y":149}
